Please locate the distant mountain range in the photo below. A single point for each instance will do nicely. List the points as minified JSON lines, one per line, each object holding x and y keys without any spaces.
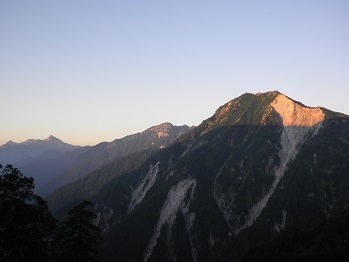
{"x":12,"y":152}
{"x":53,"y":163}
{"x":90,"y":159}
{"x":262,"y":163}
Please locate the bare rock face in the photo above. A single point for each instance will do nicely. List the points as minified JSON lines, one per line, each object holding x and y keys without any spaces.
{"x":167,"y":129}
{"x":294,"y":114}
{"x":297,"y":122}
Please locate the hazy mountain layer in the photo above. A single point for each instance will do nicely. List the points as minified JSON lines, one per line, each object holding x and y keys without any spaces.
{"x":92,"y":158}
{"x":12,"y":152}
{"x":88,"y":186}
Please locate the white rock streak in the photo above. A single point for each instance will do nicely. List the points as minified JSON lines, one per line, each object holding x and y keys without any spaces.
{"x":279,"y":227}
{"x":104,"y":215}
{"x":297,"y":121}
{"x":175,"y":200}
{"x":143,"y":186}
{"x":189,"y":146}
{"x":189,"y":220}
{"x":219,"y":197}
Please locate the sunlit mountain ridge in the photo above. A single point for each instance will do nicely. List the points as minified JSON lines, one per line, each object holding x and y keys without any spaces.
{"x":261,"y":164}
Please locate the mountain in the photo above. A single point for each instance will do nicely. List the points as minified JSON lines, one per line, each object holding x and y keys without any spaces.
{"x":49,"y":165}
{"x":64,"y":168}
{"x":261,"y":164}
{"x":12,"y":152}
{"x":85,"y":188}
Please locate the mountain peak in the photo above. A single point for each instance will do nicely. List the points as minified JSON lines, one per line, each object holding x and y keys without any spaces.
{"x":29,"y":141}
{"x":296,"y":114}
{"x":52,"y":138}
{"x":268,"y":108}
{"x":275,"y":92}
{"x":162,"y":130}
{"x":9,"y":143}
{"x":166,"y":129}
{"x":161,"y":126}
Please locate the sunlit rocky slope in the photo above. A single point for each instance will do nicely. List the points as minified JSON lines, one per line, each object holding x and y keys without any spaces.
{"x":261,"y":163}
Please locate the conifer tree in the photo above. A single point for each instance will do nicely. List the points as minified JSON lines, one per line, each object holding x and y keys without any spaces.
{"x":26,"y":225}
{"x":80,"y":238}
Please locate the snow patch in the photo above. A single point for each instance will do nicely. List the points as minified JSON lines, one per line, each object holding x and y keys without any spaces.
{"x":176,"y":200}
{"x":143,"y":186}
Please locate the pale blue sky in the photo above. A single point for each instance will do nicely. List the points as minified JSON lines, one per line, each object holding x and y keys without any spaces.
{"x":91,"y":71}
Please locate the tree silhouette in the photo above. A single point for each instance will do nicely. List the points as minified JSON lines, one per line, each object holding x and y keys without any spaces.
{"x":79,"y":239}
{"x":26,"y":225}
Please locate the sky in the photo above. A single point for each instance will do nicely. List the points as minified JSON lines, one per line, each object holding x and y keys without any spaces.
{"x":91,"y":71}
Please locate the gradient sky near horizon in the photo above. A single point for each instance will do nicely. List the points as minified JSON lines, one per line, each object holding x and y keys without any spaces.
{"x":92,"y":71}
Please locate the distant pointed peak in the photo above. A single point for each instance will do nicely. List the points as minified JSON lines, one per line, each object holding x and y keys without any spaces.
{"x":9,"y":143}
{"x":51,"y":137}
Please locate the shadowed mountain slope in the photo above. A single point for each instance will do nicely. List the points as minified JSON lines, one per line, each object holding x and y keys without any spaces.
{"x":261,"y":163}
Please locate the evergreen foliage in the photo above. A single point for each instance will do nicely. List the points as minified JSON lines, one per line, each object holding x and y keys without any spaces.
{"x":28,"y":231}
{"x":79,"y":238}
{"x":26,"y":225}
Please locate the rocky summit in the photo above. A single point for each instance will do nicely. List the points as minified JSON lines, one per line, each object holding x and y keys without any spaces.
{"x":261,"y":164}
